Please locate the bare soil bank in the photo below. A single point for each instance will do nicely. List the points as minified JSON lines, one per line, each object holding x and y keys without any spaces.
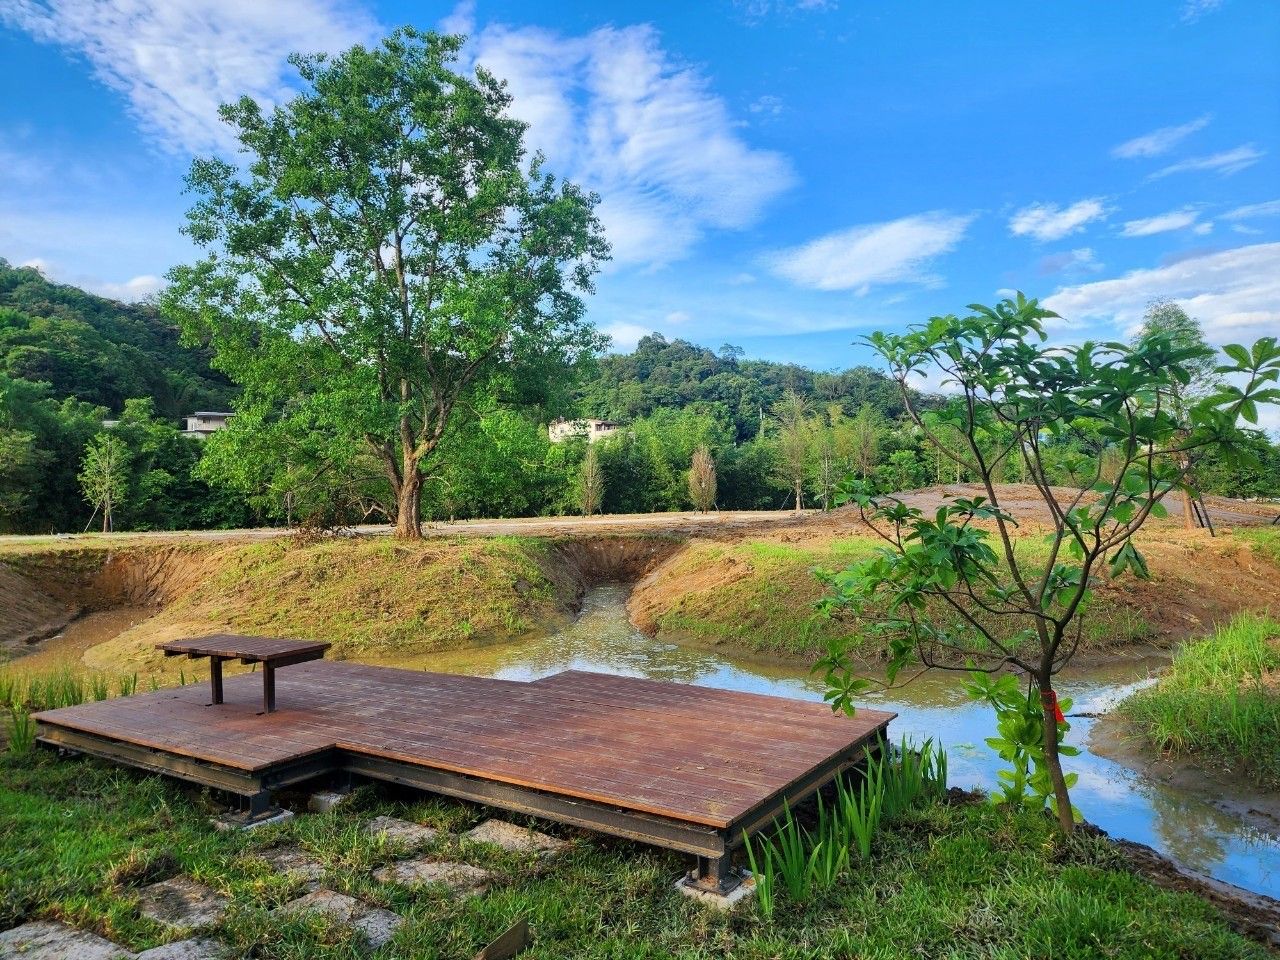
{"x":742,"y":580}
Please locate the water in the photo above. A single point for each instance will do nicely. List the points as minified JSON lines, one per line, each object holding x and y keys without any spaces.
{"x":1181,"y":824}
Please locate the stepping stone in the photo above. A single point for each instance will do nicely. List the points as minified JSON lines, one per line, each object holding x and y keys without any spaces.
{"x":402,"y":831}
{"x":461,"y":878}
{"x":242,"y":821}
{"x":516,"y":839}
{"x":377,"y":925}
{"x":181,"y":902}
{"x":293,"y":862}
{"x":197,"y":949}
{"x":43,"y":940}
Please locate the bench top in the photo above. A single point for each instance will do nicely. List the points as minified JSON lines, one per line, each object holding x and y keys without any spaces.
{"x":249,"y":649}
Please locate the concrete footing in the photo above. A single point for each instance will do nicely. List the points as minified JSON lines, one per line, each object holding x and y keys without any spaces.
{"x":721,"y":901}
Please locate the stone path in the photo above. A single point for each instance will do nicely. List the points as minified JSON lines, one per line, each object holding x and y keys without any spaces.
{"x":198,"y":949}
{"x":516,"y":839}
{"x":402,"y":831}
{"x":182,"y":902}
{"x":377,"y":925}
{"x":294,"y":862}
{"x":461,"y":878}
{"x":43,"y":940}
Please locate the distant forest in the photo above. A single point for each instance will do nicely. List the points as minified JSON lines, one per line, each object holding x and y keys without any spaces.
{"x":70,"y":360}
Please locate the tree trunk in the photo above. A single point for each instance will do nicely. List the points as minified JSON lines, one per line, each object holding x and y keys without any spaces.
{"x":1188,"y":511}
{"x":1049,"y":705}
{"x":799,"y":497}
{"x":409,"y":503}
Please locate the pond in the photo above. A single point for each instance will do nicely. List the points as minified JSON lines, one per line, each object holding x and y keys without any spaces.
{"x":1183,"y":825}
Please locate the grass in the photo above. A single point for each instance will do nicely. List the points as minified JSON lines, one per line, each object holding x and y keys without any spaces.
{"x":1219,"y":701}
{"x":763,"y":600}
{"x":943,"y":879}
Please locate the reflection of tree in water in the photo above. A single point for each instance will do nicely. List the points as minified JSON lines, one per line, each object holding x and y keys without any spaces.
{"x":1190,"y":831}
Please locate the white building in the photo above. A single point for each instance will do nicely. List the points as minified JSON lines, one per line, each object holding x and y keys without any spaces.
{"x":204,"y":422}
{"x":591,"y":429}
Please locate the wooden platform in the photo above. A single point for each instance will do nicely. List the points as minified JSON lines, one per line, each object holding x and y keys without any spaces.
{"x":684,"y":767}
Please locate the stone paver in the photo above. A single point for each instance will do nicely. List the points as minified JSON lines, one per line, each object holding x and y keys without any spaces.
{"x":294,"y":862}
{"x":461,"y":878}
{"x":43,"y":940}
{"x":197,"y":949}
{"x":182,"y":902}
{"x":402,"y":831}
{"x":241,"y":821}
{"x":377,"y":925}
{"x":726,"y":901}
{"x":516,"y":839}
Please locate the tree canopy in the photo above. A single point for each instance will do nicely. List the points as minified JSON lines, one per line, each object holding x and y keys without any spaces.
{"x":386,"y":254}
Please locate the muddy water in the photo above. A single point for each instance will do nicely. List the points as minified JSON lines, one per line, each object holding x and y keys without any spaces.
{"x":1183,"y":825}
{"x":66,"y":648}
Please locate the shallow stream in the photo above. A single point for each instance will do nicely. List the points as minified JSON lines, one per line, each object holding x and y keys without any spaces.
{"x":1183,"y":825}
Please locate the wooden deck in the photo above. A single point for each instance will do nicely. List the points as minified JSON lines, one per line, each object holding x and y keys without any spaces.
{"x":686,"y":767}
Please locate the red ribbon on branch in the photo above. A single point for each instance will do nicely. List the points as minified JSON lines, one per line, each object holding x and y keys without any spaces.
{"x":1050,"y":699}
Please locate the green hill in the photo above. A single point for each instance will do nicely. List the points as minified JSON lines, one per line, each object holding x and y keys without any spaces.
{"x":100,"y":351}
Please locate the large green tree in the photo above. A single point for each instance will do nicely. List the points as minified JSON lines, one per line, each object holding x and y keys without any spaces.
{"x":386,"y":250}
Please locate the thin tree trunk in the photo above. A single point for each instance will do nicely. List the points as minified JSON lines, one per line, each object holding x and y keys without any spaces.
{"x":1049,"y":704}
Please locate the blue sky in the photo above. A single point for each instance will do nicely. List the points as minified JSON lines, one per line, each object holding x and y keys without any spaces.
{"x":785,"y":176}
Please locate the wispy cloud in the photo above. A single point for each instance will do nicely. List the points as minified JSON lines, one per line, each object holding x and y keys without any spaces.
{"x":1048,"y":221}
{"x":755,"y":10}
{"x":614,"y":111}
{"x":1078,"y":261}
{"x":1234,"y":293}
{"x":175,"y":63}
{"x":1160,"y":141}
{"x":768,"y":105}
{"x":1225,"y":163}
{"x":1268,"y":208}
{"x":1193,"y":10}
{"x":897,"y":251}
{"x":1161,"y":223}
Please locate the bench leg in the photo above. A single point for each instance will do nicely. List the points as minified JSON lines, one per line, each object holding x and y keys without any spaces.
{"x":268,"y":688}
{"x":215,"y":678}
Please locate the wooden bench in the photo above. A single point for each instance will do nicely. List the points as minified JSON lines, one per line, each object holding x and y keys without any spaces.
{"x":271,"y":652}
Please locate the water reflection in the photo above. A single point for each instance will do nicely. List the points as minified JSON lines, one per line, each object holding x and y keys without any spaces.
{"x":1174,"y":821}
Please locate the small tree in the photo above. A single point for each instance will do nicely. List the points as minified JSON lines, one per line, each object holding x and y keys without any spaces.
{"x":104,"y":477}
{"x":702,"y":479}
{"x":865,"y":430}
{"x":591,"y":483}
{"x":792,"y":413}
{"x":950,"y":589}
{"x":1165,"y":317}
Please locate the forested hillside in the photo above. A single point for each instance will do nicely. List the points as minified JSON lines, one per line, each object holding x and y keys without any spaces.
{"x":100,"y":351}
{"x":771,"y":432}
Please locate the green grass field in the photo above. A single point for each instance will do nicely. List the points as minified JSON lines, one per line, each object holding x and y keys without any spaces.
{"x":1220,"y":701}
{"x":949,"y":879}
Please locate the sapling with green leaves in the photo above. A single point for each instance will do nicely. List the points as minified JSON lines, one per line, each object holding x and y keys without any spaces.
{"x":954,"y":589}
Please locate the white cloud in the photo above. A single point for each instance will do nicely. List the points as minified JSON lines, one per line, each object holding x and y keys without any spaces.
{"x":1193,"y":10}
{"x":678,"y":317}
{"x":625,"y":336}
{"x":1161,"y":223}
{"x":1269,"y":208}
{"x":1246,"y":230}
{"x":1225,"y":163}
{"x":858,"y":258}
{"x":1160,"y":141}
{"x":754,"y":10}
{"x":1234,"y":293}
{"x":1048,"y":221}
{"x":615,"y":112}
{"x":175,"y":63}
{"x":1203,"y":229}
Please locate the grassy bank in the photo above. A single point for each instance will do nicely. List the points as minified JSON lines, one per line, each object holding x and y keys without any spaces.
{"x":759,"y":596}
{"x":947,"y":879}
{"x":1220,"y":701}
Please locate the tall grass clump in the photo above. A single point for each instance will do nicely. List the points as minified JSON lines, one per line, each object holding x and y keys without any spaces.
{"x":1220,"y":700}
{"x":799,"y":862}
{"x":22,"y":731}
